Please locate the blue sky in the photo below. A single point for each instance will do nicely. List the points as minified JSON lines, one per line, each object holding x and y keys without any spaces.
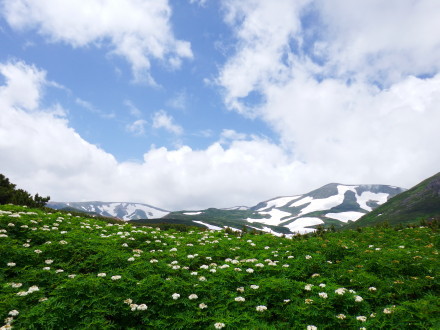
{"x":193,"y":104}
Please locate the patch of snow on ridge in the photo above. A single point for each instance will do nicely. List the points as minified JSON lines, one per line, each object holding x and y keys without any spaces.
{"x":208,"y":225}
{"x":274,"y":220}
{"x":345,"y":216}
{"x":192,"y":213}
{"x":366,"y":196}
{"x":280,"y":202}
{"x":299,"y":225}
{"x":324,"y":203}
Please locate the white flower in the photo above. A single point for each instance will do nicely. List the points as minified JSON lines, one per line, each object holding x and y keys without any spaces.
{"x":239,"y":299}
{"x":387,"y":311}
{"x":130,"y":259}
{"x":48,"y":261}
{"x":190,"y":256}
{"x":42,"y":299}
{"x":14,"y":312}
{"x":308,"y":287}
{"x":38,"y":251}
{"x":322,"y":285}
{"x":286,"y":300}
{"x":341,"y":316}
{"x":308,"y":257}
{"x":59,"y":271}
{"x":142,"y":307}
{"x":219,"y":325}
{"x":372,"y":289}
{"x":125,"y":245}
{"x":116,"y":277}
{"x":175,"y":296}
{"x":323,"y":295}
{"x":63,"y":242}
{"x":315,"y":275}
{"x":11,"y":264}
{"x":361,"y":318}
{"x":212,"y":270}
{"x":173,"y":250}
{"x":128,"y":301}
{"x":16,"y":285}
{"x":202,"y":278}
{"x":250,"y":270}
{"x":308,"y":301}
{"x":133,"y":307}
{"x":71,"y":276}
{"x":153,"y":261}
{"x":255,"y":287}
{"x":192,"y":296}
{"x":340,"y":291}
{"x":33,"y":288}
{"x":358,"y":298}
{"x":240,"y":289}
{"x":101,"y":275}
{"x":311,"y":327}
{"x":203,"y":306}
{"x":261,"y":308}
{"x":22,"y":293}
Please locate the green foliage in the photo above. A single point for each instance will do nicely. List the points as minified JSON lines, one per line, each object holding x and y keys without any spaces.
{"x":9,"y":194}
{"x":52,"y":269}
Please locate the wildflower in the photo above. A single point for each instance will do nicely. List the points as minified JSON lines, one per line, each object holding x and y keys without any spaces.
{"x":128,"y":301}
{"x":240,"y":289}
{"x":33,"y":288}
{"x":372,"y":289}
{"x":341,"y":316}
{"x":387,"y":311}
{"x":102,"y":275}
{"x":315,"y":275}
{"x":212,"y":270}
{"x":308,"y":301}
{"x":63,"y":242}
{"x":11,"y":264}
{"x":308,"y":257}
{"x":130,"y":259}
{"x":133,"y":307}
{"x":250,"y":270}
{"x":203,"y":306}
{"x":323,"y":295}
{"x":219,"y":325}
{"x":173,"y":250}
{"x":190,"y":256}
{"x":153,"y":261}
{"x":22,"y":293}
{"x":255,"y":287}
{"x":71,"y":276}
{"x":116,"y":277}
{"x":16,"y":285}
{"x":49,"y":261}
{"x":286,"y":301}
{"x":322,"y":285}
{"x":311,"y":327}
{"x":358,"y":298}
{"x":192,"y":296}
{"x":261,"y":308}
{"x":202,"y":278}
{"x":59,"y":271}
{"x":361,"y":318}
{"x":142,"y":307}
{"x":175,"y":296}
{"x":26,"y":245}
{"x":14,"y":312}
{"x":38,"y":251}
{"x":308,"y":287}
{"x":239,"y":299}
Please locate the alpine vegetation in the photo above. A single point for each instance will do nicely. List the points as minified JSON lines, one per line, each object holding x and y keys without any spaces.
{"x":58,"y":270}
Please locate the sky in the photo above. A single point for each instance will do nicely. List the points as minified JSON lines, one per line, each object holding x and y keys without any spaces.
{"x":190,"y":104}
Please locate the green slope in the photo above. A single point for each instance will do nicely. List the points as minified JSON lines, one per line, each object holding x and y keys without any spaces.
{"x":421,"y":202}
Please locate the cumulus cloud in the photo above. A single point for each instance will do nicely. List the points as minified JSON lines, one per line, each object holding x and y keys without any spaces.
{"x":138,"y":30}
{"x":352,"y":89}
{"x":163,"y":120}
{"x":41,"y":153}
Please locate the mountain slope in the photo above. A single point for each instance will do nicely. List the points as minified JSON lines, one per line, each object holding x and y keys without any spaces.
{"x":124,"y":211}
{"x":420,"y":202}
{"x":333,"y":204}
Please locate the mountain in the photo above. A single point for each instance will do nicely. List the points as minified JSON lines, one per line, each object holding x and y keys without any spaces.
{"x":333,"y":204}
{"x":418,"y":203}
{"x":124,"y":211}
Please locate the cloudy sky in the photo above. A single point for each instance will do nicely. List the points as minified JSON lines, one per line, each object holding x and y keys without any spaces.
{"x":188,"y":104}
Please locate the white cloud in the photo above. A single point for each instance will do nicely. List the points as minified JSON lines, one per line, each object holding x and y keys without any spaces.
{"x":137,"y":127}
{"x":341,"y":90}
{"x":138,"y":30}
{"x":179,"y":101}
{"x":162,"y":120}
{"x":134,"y":111}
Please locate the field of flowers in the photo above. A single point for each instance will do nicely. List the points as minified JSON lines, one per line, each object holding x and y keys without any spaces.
{"x":59,"y":271}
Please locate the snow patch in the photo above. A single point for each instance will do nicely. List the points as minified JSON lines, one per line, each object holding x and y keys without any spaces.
{"x":279,"y":202}
{"x":192,"y":213}
{"x":300,"y":225}
{"x":274,"y":220}
{"x":345,"y":216}
{"x":208,"y":225}
{"x":366,"y":196}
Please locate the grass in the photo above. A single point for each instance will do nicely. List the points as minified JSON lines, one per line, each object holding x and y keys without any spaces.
{"x":52,"y":268}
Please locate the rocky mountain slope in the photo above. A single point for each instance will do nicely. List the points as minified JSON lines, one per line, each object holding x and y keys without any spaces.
{"x":420,"y":202}
{"x":124,"y":211}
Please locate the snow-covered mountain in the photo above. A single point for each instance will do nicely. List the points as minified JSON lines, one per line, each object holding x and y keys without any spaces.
{"x":333,"y":204}
{"x":124,"y":211}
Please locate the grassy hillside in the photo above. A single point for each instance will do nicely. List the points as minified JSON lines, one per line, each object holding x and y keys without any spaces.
{"x":59,"y":271}
{"x":421,"y":202}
